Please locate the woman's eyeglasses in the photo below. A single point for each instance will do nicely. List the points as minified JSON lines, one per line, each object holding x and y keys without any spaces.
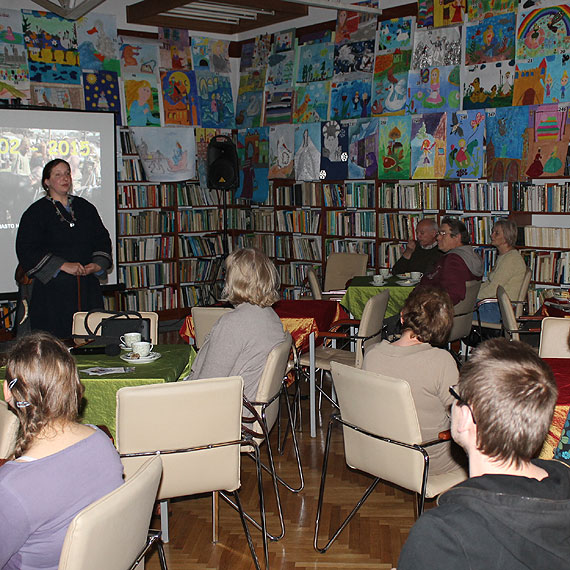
{"x":461,"y":401}
{"x":444,"y":233}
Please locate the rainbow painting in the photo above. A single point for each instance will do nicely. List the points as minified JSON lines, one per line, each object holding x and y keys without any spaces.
{"x":543,"y":31}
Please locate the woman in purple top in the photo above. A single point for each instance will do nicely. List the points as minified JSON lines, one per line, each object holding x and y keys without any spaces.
{"x":59,"y":466}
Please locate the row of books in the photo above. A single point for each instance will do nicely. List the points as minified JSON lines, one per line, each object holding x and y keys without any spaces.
{"x":240,"y":219}
{"x":546,"y":237}
{"x":159,"y":299}
{"x":263,"y":220}
{"x":475,"y":196}
{"x":489,"y":256}
{"x":299,"y":194}
{"x":408,"y":196}
{"x":548,"y":266}
{"x":147,"y":274}
{"x":127,"y":142}
{"x":307,"y":248}
{"x":199,"y":220}
{"x":142,"y":196}
{"x":145,"y":248}
{"x":196,"y":195}
{"x":541,"y":197}
{"x":389,"y":253}
{"x":480,"y":227}
{"x":145,"y":222}
{"x":304,"y":221}
{"x":352,"y":246}
{"x":130,"y":169}
{"x":357,"y":194}
{"x":356,"y":224}
{"x":200,"y":246}
{"x":200,"y":269}
{"x":194,"y":295}
{"x":263,"y":242}
{"x":399,"y":226}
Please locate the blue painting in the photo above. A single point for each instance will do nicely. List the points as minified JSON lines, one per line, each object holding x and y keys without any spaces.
{"x":363,"y":149}
{"x":216,"y":102}
{"x":315,"y":62}
{"x":253,"y":152}
{"x":465,"y":156}
{"x":434,"y":89}
{"x":334,"y":150}
{"x":351,"y":99}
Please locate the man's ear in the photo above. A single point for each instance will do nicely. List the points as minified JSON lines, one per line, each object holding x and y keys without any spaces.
{"x":463,"y":419}
{"x":7,"y":393}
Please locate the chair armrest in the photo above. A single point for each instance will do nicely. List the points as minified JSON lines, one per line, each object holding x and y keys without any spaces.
{"x":442,"y":437}
{"x":486,"y":301}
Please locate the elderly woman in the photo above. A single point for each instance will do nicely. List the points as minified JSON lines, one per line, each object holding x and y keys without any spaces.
{"x":59,"y":466}
{"x":509,"y":270}
{"x":239,"y":343}
{"x":426,"y":318}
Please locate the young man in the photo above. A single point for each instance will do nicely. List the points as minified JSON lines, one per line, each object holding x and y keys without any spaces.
{"x":513,"y":512}
{"x":421,"y":254}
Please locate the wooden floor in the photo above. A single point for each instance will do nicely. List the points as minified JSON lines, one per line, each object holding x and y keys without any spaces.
{"x":372,"y":540}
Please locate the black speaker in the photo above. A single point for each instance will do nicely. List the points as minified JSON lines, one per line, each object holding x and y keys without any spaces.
{"x":222,"y":163}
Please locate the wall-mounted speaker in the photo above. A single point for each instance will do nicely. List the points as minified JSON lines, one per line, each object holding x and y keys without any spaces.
{"x":222,"y":163}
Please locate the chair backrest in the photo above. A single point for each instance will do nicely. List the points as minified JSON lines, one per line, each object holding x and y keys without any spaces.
{"x":314,"y":284}
{"x":182,"y":415}
{"x":204,"y":318}
{"x":371,"y":323}
{"x":523,"y":292}
{"x":78,"y":326}
{"x":343,"y":266}
{"x":463,"y":312}
{"x":383,"y":406}
{"x":111,"y":532}
{"x":271,"y":381}
{"x":510,"y":325}
{"x":554,"y":333}
{"x":9,"y":426}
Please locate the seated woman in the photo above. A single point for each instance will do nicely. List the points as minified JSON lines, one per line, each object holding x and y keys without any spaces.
{"x":241,"y":340}
{"x":59,"y":466}
{"x":509,"y":271}
{"x":427,"y":318}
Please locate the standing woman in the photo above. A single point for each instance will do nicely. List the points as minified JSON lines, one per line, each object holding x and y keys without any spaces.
{"x":64,"y":247}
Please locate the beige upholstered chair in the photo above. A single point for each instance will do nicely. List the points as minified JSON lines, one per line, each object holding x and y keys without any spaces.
{"x":196,"y":428}
{"x":463,"y":312}
{"x":512,"y":326}
{"x":112,"y":533}
{"x":204,"y":318}
{"x":343,"y":266}
{"x":381,"y":438}
{"x":78,"y":327}
{"x":554,"y":338}
{"x":9,"y":426}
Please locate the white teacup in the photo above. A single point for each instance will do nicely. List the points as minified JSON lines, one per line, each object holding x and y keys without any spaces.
{"x":378,"y":280}
{"x":416,"y":275}
{"x":142,"y":348}
{"x":385,"y":272}
{"x":129,"y":338}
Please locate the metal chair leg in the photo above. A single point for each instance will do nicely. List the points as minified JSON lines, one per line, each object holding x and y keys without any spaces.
{"x":215,"y":516}
{"x":164,"y":520}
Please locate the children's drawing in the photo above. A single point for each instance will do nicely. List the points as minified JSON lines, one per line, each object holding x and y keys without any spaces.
{"x":57,"y":95}
{"x":350,"y":99}
{"x":261,"y":51}
{"x":434,"y":47}
{"x":315,"y":62}
{"x":278,"y":106}
{"x":101,"y":91}
{"x":14,"y":72}
{"x":174,"y":48}
{"x":362,"y":148}
{"x":542,"y":80}
{"x":280,"y":68}
{"x":97,"y":42}
{"x":488,"y":85}
{"x":11,"y":27}
{"x":251,"y":81}
{"x":492,"y":39}
{"x":219,"y":56}
{"x":284,"y":41}
{"x":425,"y":13}
{"x":448,"y":12}
{"x":307,"y":151}
{"x":434,"y":88}
{"x":395,"y":34}
{"x":394,"y":149}
{"x":180,"y":98}
{"x":465,"y":132}
{"x":428,"y":145}
{"x":354,"y":26}
{"x":354,"y":57}
{"x":200,"y":50}
{"x":544,"y":30}
{"x":487,"y":8}
{"x":139,"y":57}
{"x":141,"y":99}
{"x":334,"y":150}
{"x":312,"y":102}
{"x":390,"y":83}
{"x":249,"y":107}
{"x":167,"y":154}
{"x":246,"y":59}
{"x":253,"y":153}
{"x":281,"y":151}
{"x":216,"y":102}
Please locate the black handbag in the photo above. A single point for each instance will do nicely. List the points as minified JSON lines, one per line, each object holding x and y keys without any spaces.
{"x":111,"y":328}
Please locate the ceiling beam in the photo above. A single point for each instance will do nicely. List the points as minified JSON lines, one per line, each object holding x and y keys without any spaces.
{"x":62,"y":9}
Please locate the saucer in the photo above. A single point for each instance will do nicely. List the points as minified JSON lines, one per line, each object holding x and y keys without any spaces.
{"x":125,"y":347}
{"x":408,"y":282}
{"x":141,"y":360}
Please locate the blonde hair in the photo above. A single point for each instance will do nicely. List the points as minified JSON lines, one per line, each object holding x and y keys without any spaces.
{"x":132,"y":87}
{"x":251,"y":277}
{"x":44,"y":383}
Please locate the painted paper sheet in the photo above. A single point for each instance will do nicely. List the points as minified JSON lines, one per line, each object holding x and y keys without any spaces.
{"x":167,"y":154}
{"x":506,"y":135}
{"x":465,"y":133}
{"x":334,"y":150}
{"x":362,"y":148}
{"x":219,"y":56}
{"x":57,"y":95}
{"x":488,"y":85}
{"x":315,"y":62}
{"x":395,"y":34}
{"x":51,"y":42}
{"x":246,"y":59}
{"x":200,"y":50}
{"x":350,"y":99}
{"x":354,"y":57}
{"x":14,"y":72}
{"x":180,"y":98}
{"x":102,"y":93}
{"x":394,"y":148}
{"x":542,"y":80}
{"x":390,"y":84}
{"x":492,"y":39}
{"x":543,"y":30}
{"x":307,"y":151}
{"x":312,"y":102}
{"x":480,"y":9}
{"x":261,"y":51}
{"x":281,"y":151}
{"x":434,"y":89}
{"x":249,"y":107}
{"x":216,"y":102}
{"x":138,"y":56}
{"x":448,"y":12}
{"x":441,"y":46}
{"x":428,"y":145}
{"x":284,"y":41}
{"x":174,"y":48}
{"x":354,"y":26}
{"x":253,"y":153}
{"x":97,"y":42}
{"x":141,"y":100}
{"x":425,"y":13}
{"x":278,"y":106}
{"x":280,"y":68}
{"x":251,"y":81}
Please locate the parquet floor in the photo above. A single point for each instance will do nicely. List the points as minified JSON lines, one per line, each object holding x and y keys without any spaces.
{"x":372,"y":540}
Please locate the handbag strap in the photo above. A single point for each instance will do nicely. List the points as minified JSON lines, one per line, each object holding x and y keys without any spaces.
{"x":112,"y":315}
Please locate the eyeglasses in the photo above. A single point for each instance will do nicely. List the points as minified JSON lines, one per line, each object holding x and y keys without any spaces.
{"x":444,"y":233}
{"x":461,"y":401}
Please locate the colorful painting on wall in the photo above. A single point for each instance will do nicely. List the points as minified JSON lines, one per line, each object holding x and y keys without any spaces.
{"x":465,"y":153}
{"x":334,"y":150}
{"x":174,"y":48}
{"x":284,"y":41}
{"x":141,"y":100}
{"x":542,"y":80}
{"x":14,"y":72}
{"x":253,"y":153}
{"x":315,"y":62}
{"x":180,"y":98}
{"x":219,"y":56}
{"x":394,"y":148}
{"x":351,"y":99}
{"x":216,"y":102}
{"x":138,"y":57}
{"x":167,"y":154}
{"x":308,"y":151}
{"x":428,"y":145}
{"x":57,"y":95}
{"x":97,"y":42}
{"x":448,"y":12}
{"x":425,"y":13}
{"x":492,"y":39}
{"x":488,"y":85}
{"x":312,"y":102}
{"x":354,"y":26}
{"x":251,"y":81}
{"x":362,"y":148}
{"x":261,"y":51}
{"x":249,"y":106}
{"x":395,"y":34}
{"x":280,"y":68}
{"x":434,"y":47}
{"x":354,"y":57}
{"x":278,"y":106}
{"x":200,"y":51}
{"x":101,"y":91}
{"x":390,"y":84}
{"x":481,"y":9}
{"x":434,"y":88}
{"x":281,"y":151}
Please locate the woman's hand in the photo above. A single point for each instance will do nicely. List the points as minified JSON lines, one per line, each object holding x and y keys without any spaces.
{"x":73,"y":268}
{"x":92,"y":268}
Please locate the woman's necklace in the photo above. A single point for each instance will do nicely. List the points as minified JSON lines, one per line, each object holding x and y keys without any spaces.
{"x":60,"y":214}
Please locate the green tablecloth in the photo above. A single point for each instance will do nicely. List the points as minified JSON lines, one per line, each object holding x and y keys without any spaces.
{"x":361,"y":289}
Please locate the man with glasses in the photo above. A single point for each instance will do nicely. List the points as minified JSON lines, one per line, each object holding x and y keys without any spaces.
{"x":423,"y":253}
{"x":459,"y":264}
{"x":514,"y":511}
